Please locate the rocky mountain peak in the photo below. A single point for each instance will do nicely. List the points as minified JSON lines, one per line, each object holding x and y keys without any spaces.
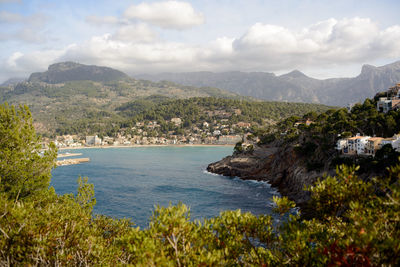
{"x":295,"y":74}
{"x":63,"y":66}
{"x":71,"y":71}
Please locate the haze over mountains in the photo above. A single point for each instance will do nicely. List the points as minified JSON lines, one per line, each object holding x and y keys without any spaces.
{"x":294,"y":86}
{"x":291,"y":87}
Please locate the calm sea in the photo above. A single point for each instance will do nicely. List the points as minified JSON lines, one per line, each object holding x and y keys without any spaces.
{"x":129,"y":182}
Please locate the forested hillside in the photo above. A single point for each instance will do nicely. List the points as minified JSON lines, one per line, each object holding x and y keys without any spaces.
{"x":192,"y":111}
{"x":356,"y":223}
{"x":79,"y":92}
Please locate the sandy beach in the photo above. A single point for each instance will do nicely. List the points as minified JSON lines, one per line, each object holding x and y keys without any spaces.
{"x":136,"y":146}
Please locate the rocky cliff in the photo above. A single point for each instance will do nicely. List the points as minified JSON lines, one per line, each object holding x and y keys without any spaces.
{"x":275,"y":163}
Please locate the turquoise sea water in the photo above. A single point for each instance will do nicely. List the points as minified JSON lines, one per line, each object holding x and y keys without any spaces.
{"x":129,"y":182}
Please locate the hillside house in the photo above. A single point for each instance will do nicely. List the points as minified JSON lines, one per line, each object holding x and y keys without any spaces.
{"x":366,"y":145}
{"x":393,"y":141}
{"x":386,"y":104}
{"x":341,"y":146}
{"x":307,"y":122}
{"x":217,"y":132}
{"x":356,"y":144}
{"x":373,"y":144}
{"x":176,"y":121}
{"x":242,"y":124}
{"x":391,"y":102}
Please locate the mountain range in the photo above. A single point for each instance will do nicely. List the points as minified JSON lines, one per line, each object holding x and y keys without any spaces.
{"x":74,"y":91}
{"x":294,"y":86}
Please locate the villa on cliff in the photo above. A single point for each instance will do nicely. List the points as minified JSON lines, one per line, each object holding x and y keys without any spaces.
{"x":366,"y":145}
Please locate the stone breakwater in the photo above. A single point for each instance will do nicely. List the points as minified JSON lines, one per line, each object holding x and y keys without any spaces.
{"x":280,"y":166}
{"x":65,"y":162}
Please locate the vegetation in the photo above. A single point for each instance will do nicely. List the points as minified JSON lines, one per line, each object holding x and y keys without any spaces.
{"x":357,"y":222}
{"x":193,"y":112}
{"x":24,"y":171}
{"x":63,"y":101}
{"x":316,"y":141}
{"x":90,"y":102}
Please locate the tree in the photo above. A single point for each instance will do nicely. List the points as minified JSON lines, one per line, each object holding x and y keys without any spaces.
{"x":24,"y":168}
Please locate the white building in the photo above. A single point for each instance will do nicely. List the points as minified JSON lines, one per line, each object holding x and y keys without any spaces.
{"x":391,"y":102}
{"x":93,"y":140}
{"x":217,"y":132}
{"x":386,"y":104}
{"x":357,"y":144}
{"x":176,"y":121}
{"x":393,"y":141}
{"x":341,"y":145}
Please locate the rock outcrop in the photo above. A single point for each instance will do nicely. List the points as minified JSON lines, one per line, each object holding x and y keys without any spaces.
{"x":71,"y":71}
{"x":279,"y":165}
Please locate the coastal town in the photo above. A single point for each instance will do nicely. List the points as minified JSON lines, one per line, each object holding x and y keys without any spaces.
{"x":148,"y":133}
{"x":222,"y":132}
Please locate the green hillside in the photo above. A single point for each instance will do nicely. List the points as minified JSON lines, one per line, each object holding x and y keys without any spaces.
{"x":76,"y":100}
{"x":192,"y":111}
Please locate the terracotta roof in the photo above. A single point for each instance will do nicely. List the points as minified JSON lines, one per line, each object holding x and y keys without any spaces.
{"x":375,"y":138}
{"x":357,"y":137}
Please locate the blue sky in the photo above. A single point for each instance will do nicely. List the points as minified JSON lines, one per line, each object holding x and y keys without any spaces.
{"x":321,"y":38}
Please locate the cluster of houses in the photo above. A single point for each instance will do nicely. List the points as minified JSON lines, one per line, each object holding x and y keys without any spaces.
{"x":149,"y":133}
{"x":366,"y":145}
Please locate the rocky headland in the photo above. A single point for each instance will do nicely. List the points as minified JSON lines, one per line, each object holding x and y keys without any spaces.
{"x":278,"y":164}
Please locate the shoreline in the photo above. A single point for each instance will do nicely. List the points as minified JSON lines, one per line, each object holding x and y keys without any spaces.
{"x":137,"y":146}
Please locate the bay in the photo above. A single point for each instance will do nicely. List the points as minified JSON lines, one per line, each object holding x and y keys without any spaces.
{"x":130,"y":182}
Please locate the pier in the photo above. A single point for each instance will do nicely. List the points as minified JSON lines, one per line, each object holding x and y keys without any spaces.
{"x":65,"y":162}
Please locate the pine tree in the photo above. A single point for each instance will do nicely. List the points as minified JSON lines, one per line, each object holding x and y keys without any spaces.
{"x":24,"y":168}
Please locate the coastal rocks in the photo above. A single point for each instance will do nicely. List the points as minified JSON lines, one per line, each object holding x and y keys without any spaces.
{"x":281,"y":166}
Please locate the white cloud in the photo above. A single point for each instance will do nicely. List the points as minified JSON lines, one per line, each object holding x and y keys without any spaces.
{"x":136,"y":33}
{"x":167,"y":14}
{"x":22,"y":28}
{"x":8,"y":17}
{"x":133,"y":57}
{"x":15,"y":18}
{"x":353,"y":31}
{"x":328,"y":42}
{"x":19,"y":64}
{"x":136,"y":48}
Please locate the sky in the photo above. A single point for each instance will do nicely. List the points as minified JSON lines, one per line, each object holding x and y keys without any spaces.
{"x":323,"y":39}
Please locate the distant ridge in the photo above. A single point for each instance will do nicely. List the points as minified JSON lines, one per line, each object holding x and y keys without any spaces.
{"x":12,"y":81}
{"x":294,"y":74}
{"x":294,"y":86}
{"x":71,"y":71}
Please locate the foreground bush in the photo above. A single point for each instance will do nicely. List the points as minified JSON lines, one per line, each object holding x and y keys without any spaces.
{"x":356,"y":223}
